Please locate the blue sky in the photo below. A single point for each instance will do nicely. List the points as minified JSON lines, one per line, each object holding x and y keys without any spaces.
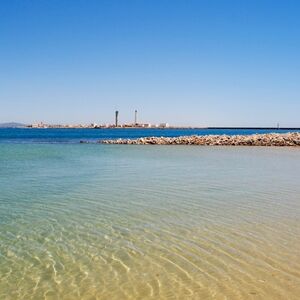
{"x":188,"y":62}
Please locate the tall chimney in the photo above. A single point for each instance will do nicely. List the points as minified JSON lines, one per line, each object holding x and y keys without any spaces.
{"x":135,"y":117}
{"x":117,"y":115}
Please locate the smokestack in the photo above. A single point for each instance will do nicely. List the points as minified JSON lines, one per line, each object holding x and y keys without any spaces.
{"x":135,"y":117}
{"x":117,"y":115}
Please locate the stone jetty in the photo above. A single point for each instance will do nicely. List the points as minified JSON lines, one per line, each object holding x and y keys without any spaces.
{"x":269,"y":139}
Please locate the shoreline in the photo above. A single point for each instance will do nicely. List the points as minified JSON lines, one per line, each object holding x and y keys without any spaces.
{"x":267,"y":140}
{"x":162,"y":128}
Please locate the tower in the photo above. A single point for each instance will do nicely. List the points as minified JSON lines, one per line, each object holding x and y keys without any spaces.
{"x":135,"y":117}
{"x":116,"y":118}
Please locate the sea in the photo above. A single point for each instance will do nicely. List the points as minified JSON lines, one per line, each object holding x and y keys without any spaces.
{"x":67,"y":136}
{"x":95,"y":221}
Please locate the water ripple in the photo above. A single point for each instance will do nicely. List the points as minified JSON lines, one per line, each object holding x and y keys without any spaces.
{"x":98,"y":222}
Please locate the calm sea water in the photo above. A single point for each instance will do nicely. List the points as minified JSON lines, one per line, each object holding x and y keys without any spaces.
{"x":136,"y":222}
{"x":26,"y":135}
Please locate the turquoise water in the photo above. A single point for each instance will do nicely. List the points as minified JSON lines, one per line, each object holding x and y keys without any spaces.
{"x":137,"y":222}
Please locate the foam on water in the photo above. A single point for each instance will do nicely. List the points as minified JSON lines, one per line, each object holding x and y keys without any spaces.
{"x":133,"y":222}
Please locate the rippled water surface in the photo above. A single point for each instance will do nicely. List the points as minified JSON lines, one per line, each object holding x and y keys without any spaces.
{"x":142,"y":222}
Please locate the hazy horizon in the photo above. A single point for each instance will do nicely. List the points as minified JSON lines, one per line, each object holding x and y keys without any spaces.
{"x":277,"y":125}
{"x":188,"y":63}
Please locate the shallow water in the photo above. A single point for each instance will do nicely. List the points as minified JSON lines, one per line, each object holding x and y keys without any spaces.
{"x":142,"y":222}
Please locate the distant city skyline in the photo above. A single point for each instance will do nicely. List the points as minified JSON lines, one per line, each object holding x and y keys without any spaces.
{"x":186,"y":63}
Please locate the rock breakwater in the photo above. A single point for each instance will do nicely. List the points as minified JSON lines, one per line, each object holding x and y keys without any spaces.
{"x":270,"y":139}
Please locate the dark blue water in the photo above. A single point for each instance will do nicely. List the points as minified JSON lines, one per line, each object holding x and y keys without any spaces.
{"x":28,"y":135}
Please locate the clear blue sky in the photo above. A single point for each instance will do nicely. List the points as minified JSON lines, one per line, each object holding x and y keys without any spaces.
{"x":188,"y":62}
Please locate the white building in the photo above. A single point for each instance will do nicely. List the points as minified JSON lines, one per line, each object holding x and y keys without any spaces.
{"x":164,"y":125}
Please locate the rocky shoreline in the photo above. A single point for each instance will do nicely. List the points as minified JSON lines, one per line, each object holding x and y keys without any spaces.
{"x":269,"y":139}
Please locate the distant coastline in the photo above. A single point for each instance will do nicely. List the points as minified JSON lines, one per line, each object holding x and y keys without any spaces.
{"x":12,"y":125}
{"x":138,"y":125}
{"x":19,"y":125}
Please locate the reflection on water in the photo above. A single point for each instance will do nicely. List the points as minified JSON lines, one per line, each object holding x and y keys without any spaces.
{"x":138,"y":222}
